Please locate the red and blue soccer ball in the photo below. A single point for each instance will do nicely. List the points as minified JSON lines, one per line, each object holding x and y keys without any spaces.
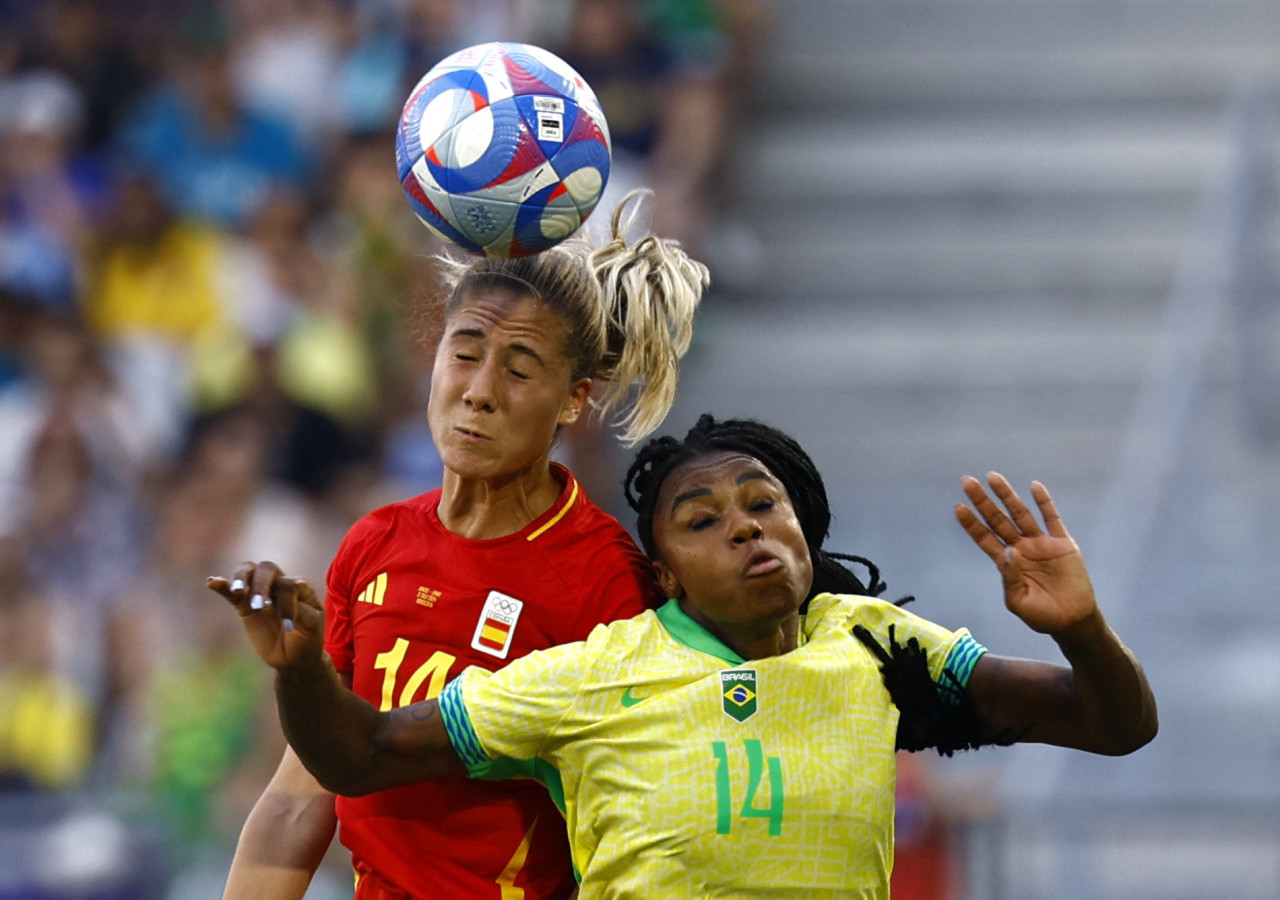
{"x":502,"y":149}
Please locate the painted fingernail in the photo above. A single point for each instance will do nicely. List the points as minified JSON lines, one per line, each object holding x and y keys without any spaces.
{"x":237,"y":586}
{"x":257,"y":601}
{"x":287,"y":624}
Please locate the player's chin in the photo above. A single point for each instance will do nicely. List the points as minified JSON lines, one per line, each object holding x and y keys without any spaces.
{"x":768,"y":600}
{"x":470,"y":459}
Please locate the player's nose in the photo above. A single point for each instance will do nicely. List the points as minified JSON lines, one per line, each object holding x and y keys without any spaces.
{"x":481,"y":390}
{"x":744,"y":527}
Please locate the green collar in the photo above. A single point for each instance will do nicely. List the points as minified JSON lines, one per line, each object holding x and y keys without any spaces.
{"x":689,"y":632}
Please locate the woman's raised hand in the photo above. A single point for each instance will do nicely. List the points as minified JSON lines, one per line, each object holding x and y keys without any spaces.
{"x":1045,"y":580}
{"x":281,"y":615}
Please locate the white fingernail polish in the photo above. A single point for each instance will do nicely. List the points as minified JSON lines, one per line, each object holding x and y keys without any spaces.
{"x":257,"y":601}
{"x":287,"y":624}
{"x":237,"y":586}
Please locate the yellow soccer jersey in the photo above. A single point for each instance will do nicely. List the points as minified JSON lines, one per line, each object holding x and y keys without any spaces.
{"x":685,"y":771}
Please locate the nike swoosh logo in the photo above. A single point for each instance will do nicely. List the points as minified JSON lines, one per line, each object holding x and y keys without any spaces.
{"x":629,"y":701}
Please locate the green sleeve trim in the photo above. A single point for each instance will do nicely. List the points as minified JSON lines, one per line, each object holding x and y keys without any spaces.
{"x":457,"y":724}
{"x":958,"y":668}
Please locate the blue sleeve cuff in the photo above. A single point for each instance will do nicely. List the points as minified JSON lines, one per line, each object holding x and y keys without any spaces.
{"x":458,"y":725}
{"x":958,"y":668}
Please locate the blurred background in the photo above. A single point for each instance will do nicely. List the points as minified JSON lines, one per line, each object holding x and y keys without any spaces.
{"x":946,"y":238}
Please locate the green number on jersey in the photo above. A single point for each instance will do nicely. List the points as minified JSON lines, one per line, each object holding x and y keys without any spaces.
{"x":757,"y":762}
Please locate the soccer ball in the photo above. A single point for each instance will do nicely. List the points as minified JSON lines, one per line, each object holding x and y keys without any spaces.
{"x":502,"y":149}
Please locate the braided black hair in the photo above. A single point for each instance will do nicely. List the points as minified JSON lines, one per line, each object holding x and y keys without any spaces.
{"x":782,"y":456}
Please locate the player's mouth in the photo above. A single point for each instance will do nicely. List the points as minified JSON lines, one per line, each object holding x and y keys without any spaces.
{"x":470,"y":435}
{"x":761,"y":563}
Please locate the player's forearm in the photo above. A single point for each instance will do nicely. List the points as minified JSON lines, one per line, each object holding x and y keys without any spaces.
{"x":1116,"y":703}
{"x":1101,"y":703}
{"x":351,"y":748}
{"x":275,"y":860}
{"x":332,"y":730}
{"x":284,"y":839}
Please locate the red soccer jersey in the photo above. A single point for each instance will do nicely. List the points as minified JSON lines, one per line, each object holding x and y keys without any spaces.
{"x":409,"y":606}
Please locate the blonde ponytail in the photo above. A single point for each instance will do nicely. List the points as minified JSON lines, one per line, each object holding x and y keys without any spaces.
{"x":651,"y":290}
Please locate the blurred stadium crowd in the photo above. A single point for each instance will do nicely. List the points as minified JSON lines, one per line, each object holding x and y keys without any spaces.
{"x":211,"y":349}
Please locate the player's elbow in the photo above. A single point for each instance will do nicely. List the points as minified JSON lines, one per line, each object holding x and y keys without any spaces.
{"x":282,"y":810}
{"x":1136,"y":735}
{"x":1143,"y":734}
{"x":345,"y":771}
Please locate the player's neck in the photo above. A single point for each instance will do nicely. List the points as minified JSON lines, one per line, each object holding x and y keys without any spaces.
{"x":483,"y":509}
{"x":775,"y":642}
{"x":751,"y":642}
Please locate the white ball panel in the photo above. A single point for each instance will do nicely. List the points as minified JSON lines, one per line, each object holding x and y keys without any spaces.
{"x":537,"y":179}
{"x":584,"y":185}
{"x":472,"y":138}
{"x":558,"y":224}
{"x":438,"y":115}
{"x":497,"y":82}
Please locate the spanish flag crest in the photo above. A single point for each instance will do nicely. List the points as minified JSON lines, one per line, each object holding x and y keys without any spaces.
{"x":497,"y":624}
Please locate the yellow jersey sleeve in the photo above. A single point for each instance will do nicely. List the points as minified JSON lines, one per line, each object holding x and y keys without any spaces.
{"x":510,"y":713}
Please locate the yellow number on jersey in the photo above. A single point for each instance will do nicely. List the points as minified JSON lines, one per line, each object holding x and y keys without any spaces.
{"x":436,"y":668}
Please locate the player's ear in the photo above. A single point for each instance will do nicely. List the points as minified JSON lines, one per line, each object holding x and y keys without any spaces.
{"x":667,"y":580}
{"x":579,"y":394}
